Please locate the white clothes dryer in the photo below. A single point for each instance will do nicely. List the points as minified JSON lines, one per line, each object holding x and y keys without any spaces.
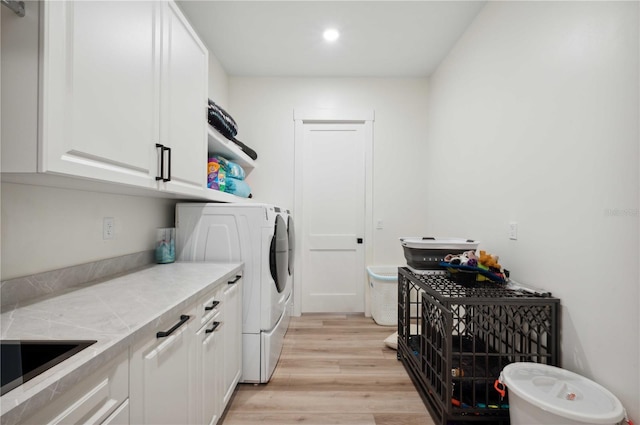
{"x":287,"y":216}
{"x":255,"y":234}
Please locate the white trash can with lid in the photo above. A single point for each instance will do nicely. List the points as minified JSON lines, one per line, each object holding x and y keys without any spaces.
{"x":543,"y":394}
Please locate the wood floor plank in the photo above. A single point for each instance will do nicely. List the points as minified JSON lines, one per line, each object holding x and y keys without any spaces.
{"x":344,"y":382}
{"x":329,"y":401}
{"x":334,"y":369}
{"x":401,"y":419}
{"x":240,"y":418}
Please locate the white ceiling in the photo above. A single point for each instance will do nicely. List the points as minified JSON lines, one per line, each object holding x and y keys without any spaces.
{"x":284,"y":38}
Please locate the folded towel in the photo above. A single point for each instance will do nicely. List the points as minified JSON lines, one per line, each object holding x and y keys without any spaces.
{"x":221,"y":120}
{"x":237,"y":187}
{"x":231,"y":168}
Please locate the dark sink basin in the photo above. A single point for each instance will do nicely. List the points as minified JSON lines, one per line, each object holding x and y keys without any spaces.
{"x":22,"y":360}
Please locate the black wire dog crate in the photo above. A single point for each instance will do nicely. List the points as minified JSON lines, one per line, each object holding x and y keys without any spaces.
{"x":454,"y":340}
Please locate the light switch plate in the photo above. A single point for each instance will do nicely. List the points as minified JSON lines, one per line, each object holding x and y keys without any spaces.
{"x":108,"y":228}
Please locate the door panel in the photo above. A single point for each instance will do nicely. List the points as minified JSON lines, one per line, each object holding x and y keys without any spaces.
{"x":162,"y":387}
{"x":89,"y":128}
{"x":183,"y":125}
{"x":332,"y":242}
{"x":333,"y":208}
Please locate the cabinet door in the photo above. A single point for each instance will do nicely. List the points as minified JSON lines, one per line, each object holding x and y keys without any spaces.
{"x":162,"y":375}
{"x":211,"y":367}
{"x":232,"y":337}
{"x":96,"y":399}
{"x":100,"y":70}
{"x":183,"y":103}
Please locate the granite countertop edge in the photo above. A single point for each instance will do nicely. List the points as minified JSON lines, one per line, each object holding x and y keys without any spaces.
{"x":156,"y":293}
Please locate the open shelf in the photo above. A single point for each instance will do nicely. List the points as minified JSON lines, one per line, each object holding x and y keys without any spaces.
{"x":218,"y":144}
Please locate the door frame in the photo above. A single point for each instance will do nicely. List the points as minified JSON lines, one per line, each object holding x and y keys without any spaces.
{"x":302,"y":116}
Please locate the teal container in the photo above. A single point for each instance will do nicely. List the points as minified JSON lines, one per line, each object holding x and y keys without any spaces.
{"x":166,"y":245}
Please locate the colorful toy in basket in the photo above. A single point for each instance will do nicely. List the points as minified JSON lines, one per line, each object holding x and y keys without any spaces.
{"x":469,"y":268}
{"x":467,"y":258}
{"x":490,"y":262}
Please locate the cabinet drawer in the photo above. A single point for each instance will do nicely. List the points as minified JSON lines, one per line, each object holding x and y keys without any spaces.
{"x":92,"y":400}
{"x":210,"y":305}
{"x":120,"y":416}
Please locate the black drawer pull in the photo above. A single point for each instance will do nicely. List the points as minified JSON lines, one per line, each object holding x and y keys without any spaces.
{"x":237,"y":278}
{"x":213,"y":328}
{"x":212,"y":306}
{"x":183,"y":320}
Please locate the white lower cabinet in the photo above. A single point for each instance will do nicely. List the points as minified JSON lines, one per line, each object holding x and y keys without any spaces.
{"x":188,"y":376}
{"x":211,"y":365}
{"x":183,"y":372}
{"x":162,"y":371}
{"x":101,"y":398}
{"x":232,"y":333}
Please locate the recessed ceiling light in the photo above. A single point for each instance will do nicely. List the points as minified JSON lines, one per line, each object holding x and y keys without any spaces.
{"x":331,"y":34}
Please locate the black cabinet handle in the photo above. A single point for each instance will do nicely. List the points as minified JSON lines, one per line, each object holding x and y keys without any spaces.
{"x":161,"y":176}
{"x":212,"y":306}
{"x":237,"y":278}
{"x":183,"y":319}
{"x":213,"y":328}
{"x":164,"y":148}
{"x":168,"y":179}
{"x":359,"y":240}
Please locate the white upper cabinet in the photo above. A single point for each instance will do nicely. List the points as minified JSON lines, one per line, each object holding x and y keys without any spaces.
{"x":99,"y":93}
{"x":105,"y":83}
{"x":183,"y":102}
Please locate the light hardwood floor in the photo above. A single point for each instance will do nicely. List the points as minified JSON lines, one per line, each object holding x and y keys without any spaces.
{"x":334,"y":369}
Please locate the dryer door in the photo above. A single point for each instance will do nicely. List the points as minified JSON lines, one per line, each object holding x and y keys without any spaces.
{"x":279,"y":254}
{"x":292,"y":242}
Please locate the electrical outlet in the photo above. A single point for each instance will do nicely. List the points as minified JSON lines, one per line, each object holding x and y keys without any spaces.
{"x":513,"y":231}
{"x":108,"y":228}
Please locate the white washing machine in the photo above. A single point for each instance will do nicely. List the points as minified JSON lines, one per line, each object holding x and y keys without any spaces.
{"x":255,"y":234}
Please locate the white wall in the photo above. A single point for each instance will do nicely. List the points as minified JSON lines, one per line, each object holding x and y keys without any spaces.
{"x":218,"y":82}
{"x":45,"y":228}
{"x":534,"y":118}
{"x":263,"y":109}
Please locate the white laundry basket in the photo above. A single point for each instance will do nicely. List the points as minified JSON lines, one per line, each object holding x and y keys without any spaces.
{"x":543,"y":394}
{"x":383,"y":281}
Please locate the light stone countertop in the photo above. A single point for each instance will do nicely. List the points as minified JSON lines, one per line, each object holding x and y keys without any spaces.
{"x":116,"y":312}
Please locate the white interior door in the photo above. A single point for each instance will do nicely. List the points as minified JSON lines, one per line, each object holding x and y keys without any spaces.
{"x":331,"y":187}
